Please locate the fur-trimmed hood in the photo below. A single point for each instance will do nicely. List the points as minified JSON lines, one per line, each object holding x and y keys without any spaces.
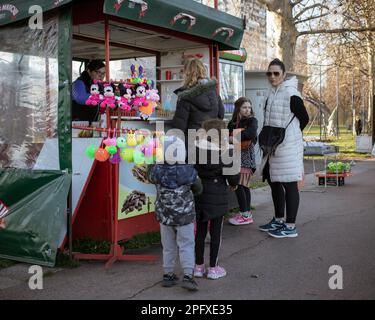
{"x":197,"y":95}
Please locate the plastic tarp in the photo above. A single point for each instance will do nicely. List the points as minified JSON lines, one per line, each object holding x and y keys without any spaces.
{"x":33,"y":214}
{"x":29,"y":91}
{"x":189,"y":17}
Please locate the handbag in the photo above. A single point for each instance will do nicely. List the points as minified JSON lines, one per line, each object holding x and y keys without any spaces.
{"x":271,"y":137}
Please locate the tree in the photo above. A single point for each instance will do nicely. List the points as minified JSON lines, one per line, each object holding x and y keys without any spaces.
{"x":303,"y":17}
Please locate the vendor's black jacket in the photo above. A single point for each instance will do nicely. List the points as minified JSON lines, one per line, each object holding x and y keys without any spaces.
{"x":197,"y":104}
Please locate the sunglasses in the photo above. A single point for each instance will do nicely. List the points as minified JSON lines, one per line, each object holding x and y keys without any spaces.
{"x":275,"y":74}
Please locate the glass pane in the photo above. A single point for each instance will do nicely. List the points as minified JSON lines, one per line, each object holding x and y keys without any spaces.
{"x":29,"y":93}
{"x":231,"y":84}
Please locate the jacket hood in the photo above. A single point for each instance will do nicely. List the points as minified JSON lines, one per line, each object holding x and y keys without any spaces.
{"x":174,"y":176}
{"x":291,"y":85}
{"x":198,"y":94}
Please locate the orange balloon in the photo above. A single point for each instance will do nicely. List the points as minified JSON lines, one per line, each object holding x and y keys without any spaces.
{"x":102,"y":155}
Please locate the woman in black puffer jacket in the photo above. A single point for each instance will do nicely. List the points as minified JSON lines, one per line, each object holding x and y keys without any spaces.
{"x":198,"y":99}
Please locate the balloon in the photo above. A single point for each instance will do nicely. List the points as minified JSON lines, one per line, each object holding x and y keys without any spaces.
{"x":148,"y":151}
{"x":121,"y":142}
{"x":131,"y":140}
{"x":140,"y":138}
{"x":90,"y":151}
{"x":111,"y":149}
{"x":127,"y":155}
{"x":149,"y":160}
{"x":101,"y":155}
{"x":115,"y":159}
{"x":159,"y":155}
{"x":139,"y":157}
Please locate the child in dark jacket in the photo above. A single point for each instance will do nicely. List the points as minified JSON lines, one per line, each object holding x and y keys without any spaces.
{"x":212,"y":204}
{"x":175,"y":210}
{"x":243,"y":119}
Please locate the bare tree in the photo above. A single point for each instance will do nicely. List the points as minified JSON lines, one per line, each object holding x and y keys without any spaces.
{"x":303,"y":17}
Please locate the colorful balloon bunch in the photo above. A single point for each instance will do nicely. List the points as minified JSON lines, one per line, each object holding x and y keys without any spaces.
{"x":133,"y":147}
{"x":136,"y":93}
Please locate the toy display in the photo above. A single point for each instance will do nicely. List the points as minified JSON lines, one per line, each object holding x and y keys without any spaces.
{"x":135,"y":93}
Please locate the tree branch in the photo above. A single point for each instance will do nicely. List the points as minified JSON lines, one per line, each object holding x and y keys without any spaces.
{"x":333,"y":31}
{"x":317,"y":5}
{"x":312,"y":18}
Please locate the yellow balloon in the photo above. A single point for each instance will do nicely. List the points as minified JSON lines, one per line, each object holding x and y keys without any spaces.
{"x":131,"y":140}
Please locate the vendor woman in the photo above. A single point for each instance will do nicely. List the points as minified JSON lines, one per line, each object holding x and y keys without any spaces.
{"x":81,"y":91}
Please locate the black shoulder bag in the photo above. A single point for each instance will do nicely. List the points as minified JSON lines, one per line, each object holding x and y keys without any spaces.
{"x":271,"y":137}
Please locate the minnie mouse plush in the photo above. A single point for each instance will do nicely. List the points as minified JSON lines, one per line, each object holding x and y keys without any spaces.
{"x":140,"y":101}
{"x":95,"y":96}
{"x":109,"y":97}
{"x":126,"y":99}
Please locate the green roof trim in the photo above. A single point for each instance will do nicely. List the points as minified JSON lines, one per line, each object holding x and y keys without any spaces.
{"x":234,"y":55}
{"x":16,"y":10}
{"x":185,"y":16}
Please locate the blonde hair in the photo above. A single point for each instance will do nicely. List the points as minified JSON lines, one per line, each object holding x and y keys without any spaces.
{"x":194,"y":70}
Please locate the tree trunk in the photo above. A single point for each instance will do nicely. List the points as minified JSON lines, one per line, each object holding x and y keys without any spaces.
{"x":288,"y":37}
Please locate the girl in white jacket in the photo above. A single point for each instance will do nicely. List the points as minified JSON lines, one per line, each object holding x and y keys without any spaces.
{"x":284,"y":168}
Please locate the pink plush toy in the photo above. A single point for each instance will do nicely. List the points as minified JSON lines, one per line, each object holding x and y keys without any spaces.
{"x":126,"y":99}
{"x":109,"y":97}
{"x":152,"y":95}
{"x":110,"y":141}
{"x":95,"y":96}
{"x":140,"y":99}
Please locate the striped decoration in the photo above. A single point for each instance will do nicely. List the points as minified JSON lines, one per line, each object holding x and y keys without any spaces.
{"x":3,"y":210}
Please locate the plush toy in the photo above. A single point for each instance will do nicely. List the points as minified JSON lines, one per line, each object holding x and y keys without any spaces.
{"x":110,"y":141}
{"x":109,"y":97}
{"x":140,"y":101}
{"x":95,"y":96}
{"x":126,"y":98}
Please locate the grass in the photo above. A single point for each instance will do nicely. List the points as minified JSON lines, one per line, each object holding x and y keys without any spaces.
{"x":141,"y":241}
{"x":5,"y":263}
{"x":346,"y":143}
{"x":87,"y":245}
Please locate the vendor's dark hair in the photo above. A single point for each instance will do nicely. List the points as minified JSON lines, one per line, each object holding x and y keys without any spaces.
{"x":278,"y":62}
{"x":95,"y":65}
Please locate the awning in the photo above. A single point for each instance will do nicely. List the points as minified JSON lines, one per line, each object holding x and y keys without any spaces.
{"x":184,"y":16}
{"x":11,"y":11}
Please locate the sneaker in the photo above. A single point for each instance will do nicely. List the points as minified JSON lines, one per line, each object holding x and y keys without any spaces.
{"x":189,"y":283}
{"x":239,"y":220}
{"x":169,"y":280}
{"x":272,"y":225}
{"x":199,"y":270}
{"x":284,"y":232}
{"x":216,"y":273}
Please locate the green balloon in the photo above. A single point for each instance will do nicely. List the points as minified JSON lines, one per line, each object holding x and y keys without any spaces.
{"x":139,"y":157}
{"x":127,"y":155}
{"x":150,"y":160}
{"x":121,"y":142}
{"x":90,"y":151}
{"x":111,"y":149}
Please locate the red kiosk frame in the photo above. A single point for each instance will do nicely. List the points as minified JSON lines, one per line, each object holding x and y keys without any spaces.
{"x":100,"y":220}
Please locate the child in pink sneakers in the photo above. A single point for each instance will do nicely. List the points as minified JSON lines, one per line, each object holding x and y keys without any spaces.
{"x":212,"y":204}
{"x":243,"y":119}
